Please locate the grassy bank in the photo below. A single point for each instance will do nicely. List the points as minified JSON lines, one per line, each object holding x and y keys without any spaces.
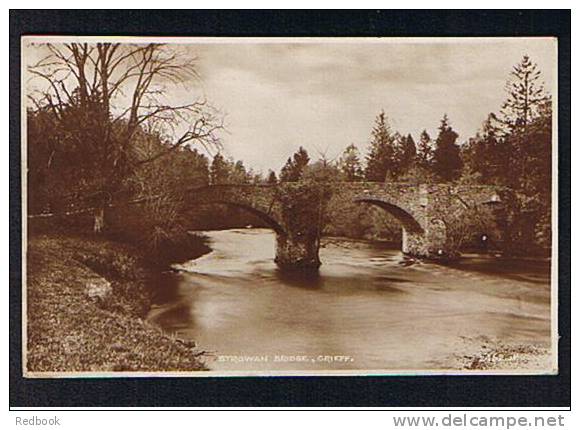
{"x":86,"y":299}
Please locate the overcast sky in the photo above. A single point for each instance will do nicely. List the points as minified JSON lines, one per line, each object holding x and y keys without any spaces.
{"x":324,"y":96}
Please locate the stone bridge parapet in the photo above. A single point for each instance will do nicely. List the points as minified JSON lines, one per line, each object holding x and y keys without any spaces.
{"x":428,"y":213}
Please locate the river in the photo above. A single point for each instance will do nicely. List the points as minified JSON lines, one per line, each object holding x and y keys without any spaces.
{"x":369,"y":308}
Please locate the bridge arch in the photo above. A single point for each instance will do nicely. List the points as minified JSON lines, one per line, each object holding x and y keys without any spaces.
{"x":408,"y":221}
{"x":257,"y":212}
{"x":293,"y":247}
{"x":414,"y":235}
{"x":257,"y":200}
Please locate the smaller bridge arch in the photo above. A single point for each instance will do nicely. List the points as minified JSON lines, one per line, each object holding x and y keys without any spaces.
{"x":413,"y":231}
{"x":407,"y":220}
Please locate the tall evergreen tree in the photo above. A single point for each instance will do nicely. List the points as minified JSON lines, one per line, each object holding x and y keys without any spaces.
{"x":527,"y":115}
{"x":238,"y":173}
{"x":286,"y":172}
{"x":526,"y":95}
{"x":381,"y":156}
{"x":515,"y":149}
{"x":424,"y":156}
{"x":537,"y":176}
{"x":350,"y":165}
{"x":447,"y":162}
{"x":488,"y":154}
{"x":294,"y":167}
{"x":407,"y":151}
{"x":219,"y":170}
{"x":301,"y":160}
{"x":272,"y":179}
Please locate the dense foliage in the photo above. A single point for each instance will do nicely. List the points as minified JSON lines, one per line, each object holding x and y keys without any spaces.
{"x":83,"y":152}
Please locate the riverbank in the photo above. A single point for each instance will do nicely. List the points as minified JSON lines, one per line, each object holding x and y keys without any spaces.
{"x":485,"y":354}
{"x":86,"y":302}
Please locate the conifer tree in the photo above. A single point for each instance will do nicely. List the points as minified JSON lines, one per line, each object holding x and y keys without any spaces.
{"x":381,"y":156}
{"x":218,"y":171}
{"x":350,"y":165}
{"x":424,"y":156}
{"x":526,"y":95}
{"x":407,"y":152}
{"x":294,"y":167}
{"x":272,"y":179}
{"x":447,"y":162}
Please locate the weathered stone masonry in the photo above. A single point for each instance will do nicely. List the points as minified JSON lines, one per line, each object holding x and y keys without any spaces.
{"x":424,"y":211}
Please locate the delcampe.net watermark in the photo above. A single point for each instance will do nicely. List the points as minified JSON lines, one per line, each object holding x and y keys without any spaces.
{"x":468,"y":420}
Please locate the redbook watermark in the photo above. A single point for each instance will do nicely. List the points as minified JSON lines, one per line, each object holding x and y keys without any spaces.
{"x":38,"y":421}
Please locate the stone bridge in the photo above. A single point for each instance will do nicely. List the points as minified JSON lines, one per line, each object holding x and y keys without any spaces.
{"x":428,"y":213}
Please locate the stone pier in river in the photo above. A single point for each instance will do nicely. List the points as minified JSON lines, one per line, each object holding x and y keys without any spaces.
{"x":428,"y":213}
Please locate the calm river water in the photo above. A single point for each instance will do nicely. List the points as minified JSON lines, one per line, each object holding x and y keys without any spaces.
{"x":369,"y":308}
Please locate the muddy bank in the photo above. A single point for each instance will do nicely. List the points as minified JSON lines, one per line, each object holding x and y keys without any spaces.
{"x":487,"y":354}
{"x":86,"y":299}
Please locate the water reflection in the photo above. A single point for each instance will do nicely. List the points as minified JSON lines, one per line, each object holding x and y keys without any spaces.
{"x":309,"y":279}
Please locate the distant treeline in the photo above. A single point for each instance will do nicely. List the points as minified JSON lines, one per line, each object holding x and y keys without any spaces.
{"x":83,"y":152}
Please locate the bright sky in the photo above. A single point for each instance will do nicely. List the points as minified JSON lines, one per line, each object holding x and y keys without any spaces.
{"x":324,"y":94}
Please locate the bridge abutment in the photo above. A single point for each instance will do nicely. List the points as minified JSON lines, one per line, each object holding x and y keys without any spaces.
{"x":413,"y":244}
{"x":297,"y":251}
{"x":431,"y":244}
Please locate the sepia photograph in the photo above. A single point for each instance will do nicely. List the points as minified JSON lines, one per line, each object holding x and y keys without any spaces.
{"x":204,"y":206}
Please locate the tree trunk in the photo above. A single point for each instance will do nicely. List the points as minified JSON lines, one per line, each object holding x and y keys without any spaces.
{"x":99,"y":220}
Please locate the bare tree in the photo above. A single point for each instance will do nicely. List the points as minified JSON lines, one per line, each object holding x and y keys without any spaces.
{"x":101,"y":95}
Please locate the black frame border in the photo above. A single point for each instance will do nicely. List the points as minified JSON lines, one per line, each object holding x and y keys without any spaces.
{"x":267,"y":392}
